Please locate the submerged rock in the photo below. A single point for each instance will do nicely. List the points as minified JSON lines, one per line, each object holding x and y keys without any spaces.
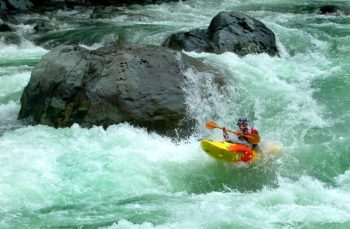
{"x":42,"y":26}
{"x":5,"y":28}
{"x":227,"y":32}
{"x":16,"y":4}
{"x":116,"y":12}
{"x":10,"y":38}
{"x":329,"y":9}
{"x":141,"y":85}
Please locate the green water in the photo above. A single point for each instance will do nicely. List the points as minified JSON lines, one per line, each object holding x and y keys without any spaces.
{"x":125,"y":177}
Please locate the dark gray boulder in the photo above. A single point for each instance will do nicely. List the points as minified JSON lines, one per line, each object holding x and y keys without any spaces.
{"x":141,"y":85}
{"x":5,"y":28}
{"x":3,"y":6}
{"x":16,"y":4}
{"x":10,"y":38}
{"x":227,"y":32}
{"x":42,"y":26}
{"x":330,"y":9}
{"x":113,"y":12}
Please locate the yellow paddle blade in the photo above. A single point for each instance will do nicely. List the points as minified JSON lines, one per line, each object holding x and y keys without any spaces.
{"x":211,"y":125}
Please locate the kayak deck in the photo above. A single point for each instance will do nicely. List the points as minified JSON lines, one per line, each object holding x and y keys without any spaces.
{"x":226,"y":151}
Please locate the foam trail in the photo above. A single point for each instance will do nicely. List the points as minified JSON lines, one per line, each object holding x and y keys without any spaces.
{"x":26,"y":48}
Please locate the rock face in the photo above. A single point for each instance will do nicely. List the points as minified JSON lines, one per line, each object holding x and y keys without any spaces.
{"x":108,"y":86}
{"x":227,"y":32}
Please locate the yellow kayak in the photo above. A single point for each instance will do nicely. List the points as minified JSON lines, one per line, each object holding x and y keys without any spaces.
{"x":226,"y":151}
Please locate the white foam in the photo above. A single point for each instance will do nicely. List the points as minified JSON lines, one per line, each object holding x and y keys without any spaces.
{"x":273,"y":92}
{"x":93,"y":46}
{"x":24,"y":50}
{"x":14,"y":82}
{"x":9,"y":112}
{"x":343,"y":180}
{"x":293,"y":202}
{"x":75,"y":160}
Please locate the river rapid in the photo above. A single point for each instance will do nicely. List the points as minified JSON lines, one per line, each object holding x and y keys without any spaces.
{"x":126,"y":177}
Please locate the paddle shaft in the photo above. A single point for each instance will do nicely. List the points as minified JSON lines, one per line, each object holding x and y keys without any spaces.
{"x":254,"y":139}
{"x":236,"y":132}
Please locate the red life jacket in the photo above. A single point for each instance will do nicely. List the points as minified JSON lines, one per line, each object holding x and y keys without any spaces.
{"x":249,"y":132}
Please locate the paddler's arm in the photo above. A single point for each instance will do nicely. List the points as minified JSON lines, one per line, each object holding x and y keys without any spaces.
{"x":225,"y":134}
{"x":251,"y":138}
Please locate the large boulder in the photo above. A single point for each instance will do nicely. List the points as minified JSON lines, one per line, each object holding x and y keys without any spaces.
{"x":227,"y":32}
{"x":140,"y":85}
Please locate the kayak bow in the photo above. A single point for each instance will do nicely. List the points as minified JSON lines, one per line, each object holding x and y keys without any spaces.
{"x":226,"y":151}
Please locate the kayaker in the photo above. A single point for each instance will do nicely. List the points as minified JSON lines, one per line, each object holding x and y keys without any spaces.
{"x":244,"y":131}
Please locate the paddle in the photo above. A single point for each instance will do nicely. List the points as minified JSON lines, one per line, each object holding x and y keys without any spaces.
{"x":253,"y":139}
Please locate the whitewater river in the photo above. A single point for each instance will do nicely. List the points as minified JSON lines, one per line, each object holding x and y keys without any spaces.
{"x":125,"y":177}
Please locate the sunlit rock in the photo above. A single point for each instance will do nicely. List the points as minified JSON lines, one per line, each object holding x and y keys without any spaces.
{"x":227,"y":32}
